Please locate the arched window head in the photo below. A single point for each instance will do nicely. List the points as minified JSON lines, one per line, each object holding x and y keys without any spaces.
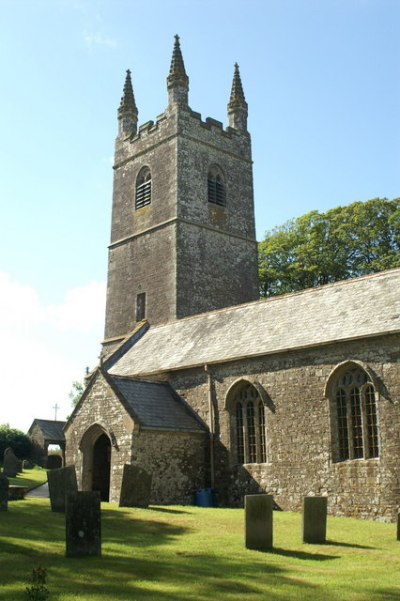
{"x":354,"y":415}
{"x":248,"y":424}
{"x":216,"y":186}
{"x":143,"y":188}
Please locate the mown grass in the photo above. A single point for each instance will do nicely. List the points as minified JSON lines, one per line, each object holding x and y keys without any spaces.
{"x":197,"y":554}
{"x":30,"y":478}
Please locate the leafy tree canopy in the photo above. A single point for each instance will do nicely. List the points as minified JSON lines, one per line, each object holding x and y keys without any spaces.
{"x":320,"y":248}
{"x":17,"y":440}
{"x":76,"y":392}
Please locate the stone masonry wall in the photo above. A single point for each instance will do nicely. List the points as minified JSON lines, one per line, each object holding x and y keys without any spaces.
{"x":153,"y":249}
{"x":100,"y":410}
{"x":176,"y":461}
{"x":299,"y":458}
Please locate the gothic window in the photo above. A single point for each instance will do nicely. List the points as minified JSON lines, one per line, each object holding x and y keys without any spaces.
{"x":141,"y":306}
{"x":355,"y":416}
{"x":143,"y":188}
{"x":248,"y":415}
{"x":216,"y":187}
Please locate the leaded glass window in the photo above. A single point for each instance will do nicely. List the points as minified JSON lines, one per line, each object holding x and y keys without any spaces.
{"x":249,"y":431}
{"x":356,"y":419}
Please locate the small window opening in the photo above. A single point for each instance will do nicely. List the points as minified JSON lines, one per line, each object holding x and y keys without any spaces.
{"x":141,"y":306}
{"x":143,"y":188}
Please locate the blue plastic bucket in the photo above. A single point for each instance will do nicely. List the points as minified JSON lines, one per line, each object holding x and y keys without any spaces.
{"x":204,"y":497}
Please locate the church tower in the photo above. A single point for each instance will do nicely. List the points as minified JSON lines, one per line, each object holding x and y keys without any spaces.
{"x":183,"y":233}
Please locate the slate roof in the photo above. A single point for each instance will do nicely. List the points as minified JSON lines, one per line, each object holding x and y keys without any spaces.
{"x":352,"y":309}
{"x":156,"y":406}
{"x":52,"y":430}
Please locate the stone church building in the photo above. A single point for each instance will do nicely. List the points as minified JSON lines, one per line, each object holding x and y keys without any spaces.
{"x":202,"y":384}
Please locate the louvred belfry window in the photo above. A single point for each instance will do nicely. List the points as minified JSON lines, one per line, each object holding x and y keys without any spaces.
{"x":216,"y":187}
{"x":143,"y":188}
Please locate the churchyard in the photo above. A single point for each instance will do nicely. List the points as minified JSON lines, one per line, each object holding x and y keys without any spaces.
{"x":187,"y":553}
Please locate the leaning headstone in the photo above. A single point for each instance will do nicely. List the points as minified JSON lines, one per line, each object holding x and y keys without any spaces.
{"x":3,"y":493}
{"x":61,"y":482}
{"x":315,"y":511}
{"x":135,"y":488}
{"x":83,"y":524}
{"x":258,"y":522}
{"x":10,"y":463}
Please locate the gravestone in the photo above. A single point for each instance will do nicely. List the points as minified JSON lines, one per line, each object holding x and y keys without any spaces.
{"x":19,"y":466}
{"x":135,"y":488}
{"x":258,"y":522}
{"x":83,"y":524}
{"x":10,"y":463}
{"x":27,"y":464}
{"x":3,"y":493}
{"x":398,"y":526}
{"x":61,"y":482}
{"x":54,"y":462}
{"x":314,"y":519}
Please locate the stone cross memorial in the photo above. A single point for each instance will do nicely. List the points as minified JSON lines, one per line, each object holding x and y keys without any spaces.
{"x":258,"y":522}
{"x":83,"y":524}
{"x":315,"y":511}
{"x":61,"y":482}
{"x":136,"y":487}
{"x":3,"y":493}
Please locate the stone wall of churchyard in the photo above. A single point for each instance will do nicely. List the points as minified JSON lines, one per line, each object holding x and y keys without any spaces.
{"x":100,"y":410}
{"x":176,"y":461}
{"x":298,"y":429}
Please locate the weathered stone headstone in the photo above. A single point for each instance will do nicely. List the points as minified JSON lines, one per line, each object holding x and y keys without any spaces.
{"x":61,"y":482}
{"x":3,"y":493}
{"x":83,"y":524}
{"x":398,"y":526}
{"x":19,"y":466}
{"x":258,"y":522}
{"x":27,"y":464}
{"x":315,"y":511}
{"x":10,"y":463}
{"x":135,"y":488}
{"x":54,"y":462}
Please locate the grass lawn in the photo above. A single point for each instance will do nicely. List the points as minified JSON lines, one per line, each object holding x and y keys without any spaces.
{"x":30,"y":478}
{"x":197,"y":554}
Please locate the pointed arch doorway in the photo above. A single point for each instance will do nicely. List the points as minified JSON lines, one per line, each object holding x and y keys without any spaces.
{"x":101,"y":466}
{"x":96,"y":448}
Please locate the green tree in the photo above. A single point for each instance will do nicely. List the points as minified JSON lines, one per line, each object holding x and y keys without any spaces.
{"x":19,"y":442}
{"x":319,"y":248}
{"x":76,"y":392}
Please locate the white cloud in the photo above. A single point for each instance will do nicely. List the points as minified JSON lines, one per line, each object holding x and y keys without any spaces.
{"x":82,"y":310}
{"x":97,"y":39}
{"x":45,"y":348}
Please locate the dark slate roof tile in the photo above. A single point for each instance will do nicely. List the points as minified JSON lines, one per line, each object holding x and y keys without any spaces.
{"x":156,"y":406}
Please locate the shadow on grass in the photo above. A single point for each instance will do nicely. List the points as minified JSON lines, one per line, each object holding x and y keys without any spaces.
{"x":334,"y":543}
{"x":149,"y":560}
{"x":301,"y":554}
{"x":167,"y":509}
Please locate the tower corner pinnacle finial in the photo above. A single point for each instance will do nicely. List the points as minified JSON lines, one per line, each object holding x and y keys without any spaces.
{"x":127,"y":111}
{"x":177,"y":80}
{"x":237,"y":106}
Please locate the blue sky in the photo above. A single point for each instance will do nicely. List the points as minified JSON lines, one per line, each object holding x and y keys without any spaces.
{"x":322,"y":81}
